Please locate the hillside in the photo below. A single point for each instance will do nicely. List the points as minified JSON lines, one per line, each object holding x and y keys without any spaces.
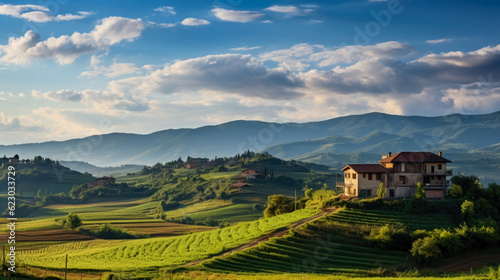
{"x":46,"y":175}
{"x":324,"y":142}
{"x":102,"y":171}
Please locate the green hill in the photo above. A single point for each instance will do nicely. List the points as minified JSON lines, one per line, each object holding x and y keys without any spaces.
{"x":45,"y":175}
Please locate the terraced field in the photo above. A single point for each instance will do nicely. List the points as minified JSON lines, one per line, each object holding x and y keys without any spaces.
{"x":323,"y":247}
{"x":380,"y":218}
{"x":157,"y":252}
{"x":294,"y":255}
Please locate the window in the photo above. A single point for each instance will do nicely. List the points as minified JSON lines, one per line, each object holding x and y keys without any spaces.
{"x":440,"y":166}
{"x":403,"y":167}
{"x":432,"y":169}
{"x":354,"y":175}
{"x":402,"y":179}
{"x":354,"y":191}
{"x":349,"y":175}
{"x":369,"y":176}
{"x":364,"y":175}
{"x":391,"y":193}
{"x":345,"y":175}
{"x":368,"y":192}
{"x":378,"y":177}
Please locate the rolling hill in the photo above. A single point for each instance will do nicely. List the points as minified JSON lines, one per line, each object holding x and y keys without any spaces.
{"x":356,"y":138}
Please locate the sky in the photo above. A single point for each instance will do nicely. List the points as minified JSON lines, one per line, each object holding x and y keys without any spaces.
{"x":70,"y":69}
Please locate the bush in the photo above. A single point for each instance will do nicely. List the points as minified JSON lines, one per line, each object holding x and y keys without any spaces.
{"x":277,"y":205}
{"x":108,"y":232}
{"x":381,"y":191}
{"x":72,"y":221}
{"x":467,"y":210}
{"x":419,"y":191}
{"x":456,"y":191}
{"x":426,"y":249}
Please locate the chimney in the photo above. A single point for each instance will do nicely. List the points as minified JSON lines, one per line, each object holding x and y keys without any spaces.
{"x":389,"y":154}
{"x":386,"y":156}
{"x":440,"y":153}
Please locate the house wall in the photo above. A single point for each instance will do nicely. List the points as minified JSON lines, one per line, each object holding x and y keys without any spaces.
{"x":428,"y":168}
{"x":351,"y":185}
{"x":365,"y":184}
{"x":411,"y":179}
{"x":434,"y":193}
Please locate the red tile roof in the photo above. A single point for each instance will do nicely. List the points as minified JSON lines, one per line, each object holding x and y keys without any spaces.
{"x":239,"y":185}
{"x":366,"y":168}
{"x":415,"y":157}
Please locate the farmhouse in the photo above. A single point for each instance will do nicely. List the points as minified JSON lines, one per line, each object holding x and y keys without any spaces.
{"x":14,"y":160}
{"x":104,"y":181}
{"x":400,"y":174}
{"x":251,"y":174}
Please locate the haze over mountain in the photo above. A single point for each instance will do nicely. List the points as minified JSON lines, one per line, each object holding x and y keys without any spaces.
{"x":359,"y":138}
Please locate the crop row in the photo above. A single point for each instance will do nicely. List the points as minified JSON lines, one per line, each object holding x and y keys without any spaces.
{"x":293,"y":254}
{"x":158,"y":252}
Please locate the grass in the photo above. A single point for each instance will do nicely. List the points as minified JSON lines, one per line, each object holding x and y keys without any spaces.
{"x":157,"y":252}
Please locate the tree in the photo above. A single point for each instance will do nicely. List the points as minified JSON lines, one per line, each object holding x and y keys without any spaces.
{"x":381,"y":191}
{"x":420,"y":191}
{"x":277,"y":205}
{"x":466,"y":182}
{"x":456,"y":191}
{"x":467,"y":210}
{"x":426,"y":249}
{"x":309,"y":192}
{"x":72,"y":221}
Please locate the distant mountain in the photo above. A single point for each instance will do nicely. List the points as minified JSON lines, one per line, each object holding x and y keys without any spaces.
{"x":102,"y":171}
{"x":363,"y":137}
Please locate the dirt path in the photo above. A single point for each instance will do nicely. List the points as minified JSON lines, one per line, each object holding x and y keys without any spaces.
{"x":277,"y":233}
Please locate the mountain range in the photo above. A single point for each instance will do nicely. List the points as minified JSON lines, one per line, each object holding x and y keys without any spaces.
{"x":334,"y":142}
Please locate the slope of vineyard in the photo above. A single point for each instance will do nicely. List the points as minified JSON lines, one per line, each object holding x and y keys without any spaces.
{"x":158,"y":252}
{"x":335,"y":244}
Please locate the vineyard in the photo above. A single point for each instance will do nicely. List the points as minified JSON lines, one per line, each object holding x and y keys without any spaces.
{"x":380,"y":218}
{"x":297,"y":255}
{"x":157,"y":252}
{"x":334,"y":244}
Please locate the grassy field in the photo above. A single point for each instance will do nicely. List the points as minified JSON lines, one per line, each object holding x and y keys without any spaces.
{"x":157,"y":252}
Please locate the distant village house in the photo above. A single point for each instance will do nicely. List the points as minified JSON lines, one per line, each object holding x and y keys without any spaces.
{"x":400,"y":174}
{"x":104,"y":181}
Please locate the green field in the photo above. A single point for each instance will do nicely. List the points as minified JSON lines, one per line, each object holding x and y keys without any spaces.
{"x":157,"y":252}
{"x":333,"y":244}
{"x":380,"y":218}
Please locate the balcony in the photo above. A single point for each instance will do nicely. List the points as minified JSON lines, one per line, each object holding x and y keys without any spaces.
{"x":448,"y":172}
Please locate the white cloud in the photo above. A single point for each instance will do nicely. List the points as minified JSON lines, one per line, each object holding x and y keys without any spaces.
{"x":353,"y":53}
{"x":114,"y":70}
{"x":38,"y":13}
{"x":290,"y":10}
{"x":438,"y":41}
{"x":245,"y":48}
{"x":313,"y":21}
{"x":294,"y":58}
{"x":17,"y":10}
{"x":233,"y":74}
{"x":236,"y":16}
{"x":65,"y":49}
{"x":284,"y":9}
{"x":15,"y":124}
{"x":166,"y":10}
{"x":194,"y":22}
{"x":160,"y":25}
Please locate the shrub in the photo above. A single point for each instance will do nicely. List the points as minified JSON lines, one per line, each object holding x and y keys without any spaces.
{"x":467,"y":210}
{"x":72,"y":221}
{"x":426,"y":249}
{"x":419,"y":191}
{"x":277,"y":205}
{"x":381,"y":191}
{"x":456,"y":191}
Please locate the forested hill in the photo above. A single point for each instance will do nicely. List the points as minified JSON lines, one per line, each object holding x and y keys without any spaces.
{"x":364,"y":136}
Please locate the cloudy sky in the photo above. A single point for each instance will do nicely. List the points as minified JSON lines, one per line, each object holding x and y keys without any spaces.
{"x":76,"y":68}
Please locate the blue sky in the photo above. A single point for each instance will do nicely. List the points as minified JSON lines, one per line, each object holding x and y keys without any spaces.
{"x":76,"y":68}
